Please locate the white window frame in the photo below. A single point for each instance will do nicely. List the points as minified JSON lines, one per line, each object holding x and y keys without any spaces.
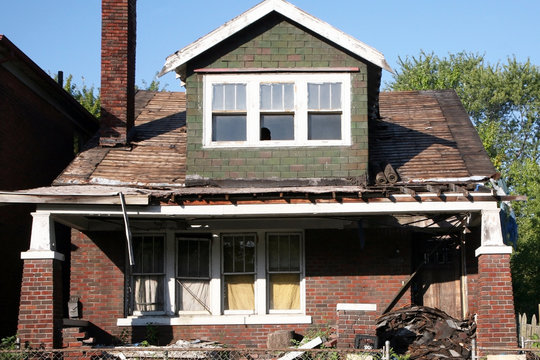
{"x":261,"y":315}
{"x":164,"y":274}
{"x":185,"y":236}
{"x":300,"y":81}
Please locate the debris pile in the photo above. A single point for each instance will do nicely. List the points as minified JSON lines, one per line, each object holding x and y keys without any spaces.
{"x":426,"y":333}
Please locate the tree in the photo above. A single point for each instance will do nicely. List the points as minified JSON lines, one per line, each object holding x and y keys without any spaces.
{"x":503,"y":101}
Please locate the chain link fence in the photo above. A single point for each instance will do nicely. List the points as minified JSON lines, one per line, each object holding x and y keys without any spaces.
{"x":138,"y":353}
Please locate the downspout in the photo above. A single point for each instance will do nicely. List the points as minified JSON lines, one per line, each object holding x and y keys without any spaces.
{"x":128,"y":231}
{"x":129,"y":271}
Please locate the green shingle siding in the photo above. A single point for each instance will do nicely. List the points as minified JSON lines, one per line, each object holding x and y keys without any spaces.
{"x":286,"y":46}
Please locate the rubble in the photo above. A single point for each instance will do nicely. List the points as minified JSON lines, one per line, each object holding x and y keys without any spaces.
{"x":426,"y":333}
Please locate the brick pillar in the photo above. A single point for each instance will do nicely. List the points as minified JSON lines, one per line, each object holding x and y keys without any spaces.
{"x":118,"y":34}
{"x":496,"y":323}
{"x":40,"y":312}
{"x":355,"y":319}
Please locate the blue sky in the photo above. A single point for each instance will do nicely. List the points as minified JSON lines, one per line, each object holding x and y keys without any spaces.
{"x":65,"y":34}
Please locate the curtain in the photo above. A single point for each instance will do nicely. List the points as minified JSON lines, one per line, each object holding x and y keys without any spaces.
{"x":240,"y":292}
{"x":148,"y":293}
{"x":187,"y":298}
{"x":284,"y":292}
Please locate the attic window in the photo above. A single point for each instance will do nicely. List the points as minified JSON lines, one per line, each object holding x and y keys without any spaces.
{"x":276,"y":109}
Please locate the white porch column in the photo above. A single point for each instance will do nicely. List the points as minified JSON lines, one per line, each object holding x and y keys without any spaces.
{"x":43,"y":239}
{"x":492,"y":239}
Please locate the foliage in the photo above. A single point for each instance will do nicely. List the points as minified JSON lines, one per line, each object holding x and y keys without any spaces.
{"x":503,"y":101}
{"x":9,"y":343}
{"x":313,"y":333}
{"x":154,"y":85}
{"x":84,"y":95}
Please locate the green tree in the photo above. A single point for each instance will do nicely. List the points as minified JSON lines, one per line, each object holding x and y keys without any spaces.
{"x":503,"y":101}
{"x":84,"y":95}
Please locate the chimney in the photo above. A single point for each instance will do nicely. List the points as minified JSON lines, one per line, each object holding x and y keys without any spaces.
{"x":118,"y":30}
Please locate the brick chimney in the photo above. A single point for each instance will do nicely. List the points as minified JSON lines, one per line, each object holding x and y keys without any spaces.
{"x":118,"y":33}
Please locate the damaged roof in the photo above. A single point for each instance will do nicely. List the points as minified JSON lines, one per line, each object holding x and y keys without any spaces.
{"x":425,"y":135}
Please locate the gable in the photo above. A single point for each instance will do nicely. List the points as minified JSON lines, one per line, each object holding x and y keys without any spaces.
{"x":274,"y":50}
{"x":179,"y":59}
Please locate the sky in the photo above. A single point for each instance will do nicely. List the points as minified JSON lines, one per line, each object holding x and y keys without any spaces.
{"x":65,"y":34}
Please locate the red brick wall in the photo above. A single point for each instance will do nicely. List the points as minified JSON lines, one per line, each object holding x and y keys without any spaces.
{"x":117,"y":70}
{"x":97,"y":278}
{"x":496,"y":323}
{"x":40,"y":314}
{"x":339,"y":269}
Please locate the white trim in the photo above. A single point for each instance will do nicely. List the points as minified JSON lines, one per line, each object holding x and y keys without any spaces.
{"x":272,"y":319}
{"x":42,"y":255}
{"x":356,"y":307}
{"x":300,"y":111}
{"x":181,"y":57}
{"x":493,"y":250}
{"x":279,"y":210}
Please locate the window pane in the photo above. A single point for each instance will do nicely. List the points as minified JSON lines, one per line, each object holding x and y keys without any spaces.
{"x":288,"y":96}
{"x":284,"y":252}
{"x":228,"y":258}
{"x":250,"y":254}
{"x":284,"y":291}
{"x":324,"y":127}
{"x":148,"y":293}
{"x":313,"y":97}
{"x":191,"y":293}
{"x":280,"y":127}
{"x":229,"y":128}
{"x":239,"y":292}
{"x":284,"y":256}
{"x":218,"y":99}
{"x":240,"y":97}
{"x":324,"y":96}
{"x":148,"y":254}
{"x":295,"y":253}
{"x":336,"y":97}
{"x":273,"y":253}
{"x":277,"y":97}
{"x":229,"y":97}
{"x":266,"y":97}
{"x":239,"y":254}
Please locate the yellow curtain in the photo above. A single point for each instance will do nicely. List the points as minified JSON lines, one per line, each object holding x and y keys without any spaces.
{"x":285,"y":291}
{"x":240,"y":292}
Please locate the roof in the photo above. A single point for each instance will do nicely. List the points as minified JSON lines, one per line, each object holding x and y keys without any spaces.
{"x":428,"y":136}
{"x":16,"y":62}
{"x":178,"y":60}
{"x":157,"y":156}
{"x":425,"y":135}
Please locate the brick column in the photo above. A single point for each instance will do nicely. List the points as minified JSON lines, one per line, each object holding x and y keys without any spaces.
{"x":355,"y":319}
{"x":496,"y":325}
{"x":496,"y":322}
{"x":40,"y":311}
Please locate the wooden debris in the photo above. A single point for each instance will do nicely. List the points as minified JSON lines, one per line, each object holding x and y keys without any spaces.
{"x":426,"y":333}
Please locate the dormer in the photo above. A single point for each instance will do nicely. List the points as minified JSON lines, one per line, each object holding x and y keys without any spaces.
{"x":277,"y":94}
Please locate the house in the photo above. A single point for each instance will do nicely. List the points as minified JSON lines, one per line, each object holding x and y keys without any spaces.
{"x":281,"y":191}
{"x":40,"y":128}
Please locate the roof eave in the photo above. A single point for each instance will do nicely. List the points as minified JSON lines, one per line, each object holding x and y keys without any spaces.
{"x":181,"y":57}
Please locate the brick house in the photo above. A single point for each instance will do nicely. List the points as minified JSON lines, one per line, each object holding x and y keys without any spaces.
{"x":282,"y":190}
{"x":39,"y":126}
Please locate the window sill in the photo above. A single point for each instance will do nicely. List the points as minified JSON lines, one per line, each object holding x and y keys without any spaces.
{"x":272,"y":319}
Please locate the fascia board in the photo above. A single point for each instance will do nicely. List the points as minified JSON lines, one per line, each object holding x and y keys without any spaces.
{"x":181,"y":57}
